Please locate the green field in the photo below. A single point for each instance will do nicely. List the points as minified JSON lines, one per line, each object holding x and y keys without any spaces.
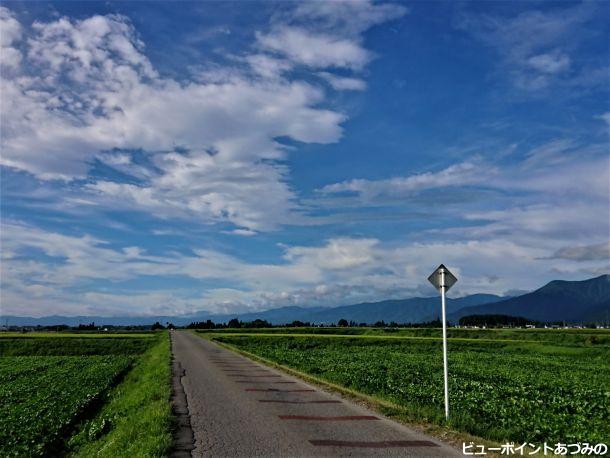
{"x":52,"y":386}
{"x":515,"y":385}
{"x":76,"y":344}
{"x":556,"y":336}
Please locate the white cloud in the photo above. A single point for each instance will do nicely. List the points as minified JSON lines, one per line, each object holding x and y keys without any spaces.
{"x":208,"y":188}
{"x":94,"y":90}
{"x":327,"y":34}
{"x":267,"y":66}
{"x":242,"y":232}
{"x":347,"y":18}
{"x":465,"y":173}
{"x":340,"y":253}
{"x":315,"y":50}
{"x":555,"y":168}
{"x":337,"y":271}
{"x":342,"y":83}
{"x":549,"y":62}
{"x":10,"y":34}
{"x":88,"y":92}
{"x":555,"y":196}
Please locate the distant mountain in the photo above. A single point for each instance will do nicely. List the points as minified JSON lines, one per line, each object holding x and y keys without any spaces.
{"x":56,"y":320}
{"x":413,"y":310}
{"x":570,"y":301}
{"x":598,"y":314}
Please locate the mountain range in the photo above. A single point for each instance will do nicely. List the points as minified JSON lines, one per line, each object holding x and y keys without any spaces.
{"x":570,"y":301}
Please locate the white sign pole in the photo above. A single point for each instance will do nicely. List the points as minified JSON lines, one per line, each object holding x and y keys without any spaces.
{"x":445,"y":345}
{"x":443,"y":279}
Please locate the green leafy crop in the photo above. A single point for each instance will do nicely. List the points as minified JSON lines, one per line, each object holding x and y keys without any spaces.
{"x":41,"y":397}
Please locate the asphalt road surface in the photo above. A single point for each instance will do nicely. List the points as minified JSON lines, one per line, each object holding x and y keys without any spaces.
{"x":240,"y":408}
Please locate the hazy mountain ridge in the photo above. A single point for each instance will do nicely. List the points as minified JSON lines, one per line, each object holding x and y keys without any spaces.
{"x":559,"y":300}
{"x":413,"y":310}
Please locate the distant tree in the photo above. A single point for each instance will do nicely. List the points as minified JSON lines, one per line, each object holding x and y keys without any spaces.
{"x":342,"y":323}
{"x":157,"y":326}
{"x":380,"y":324}
{"x":362,"y":325}
{"x":208,"y":324}
{"x":170,"y":326}
{"x":296,"y":324}
{"x":258,"y":323}
{"x":431,"y":324}
{"x":495,"y":320}
{"x":86,"y":327}
{"x":234,"y":323}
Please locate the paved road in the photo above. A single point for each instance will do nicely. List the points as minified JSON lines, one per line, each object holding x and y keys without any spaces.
{"x":240,"y":408}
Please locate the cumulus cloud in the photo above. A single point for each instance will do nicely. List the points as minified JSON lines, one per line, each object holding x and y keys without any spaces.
{"x":341,"y":253}
{"x":93,"y":90}
{"x":10,"y":34}
{"x":89,"y":93}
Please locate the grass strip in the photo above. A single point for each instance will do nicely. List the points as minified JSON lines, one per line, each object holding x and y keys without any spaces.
{"x":136,"y":421}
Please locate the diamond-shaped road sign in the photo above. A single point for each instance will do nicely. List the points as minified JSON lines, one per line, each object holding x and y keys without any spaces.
{"x":435,"y":278}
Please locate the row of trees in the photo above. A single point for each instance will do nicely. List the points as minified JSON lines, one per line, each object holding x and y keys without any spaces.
{"x":233,"y":323}
{"x":237,"y":324}
{"x":491,"y":321}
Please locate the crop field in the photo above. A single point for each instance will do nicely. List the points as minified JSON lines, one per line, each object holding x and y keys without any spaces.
{"x":50,"y":383}
{"x":513,"y":386}
{"x":556,"y":336}
{"x":73,"y":345}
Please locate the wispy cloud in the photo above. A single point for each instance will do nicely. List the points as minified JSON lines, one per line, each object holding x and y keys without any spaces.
{"x":343,"y":83}
{"x":536,"y":47}
{"x":463,"y":174}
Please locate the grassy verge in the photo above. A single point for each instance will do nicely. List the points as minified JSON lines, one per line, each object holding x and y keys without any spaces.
{"x":136,"y":420}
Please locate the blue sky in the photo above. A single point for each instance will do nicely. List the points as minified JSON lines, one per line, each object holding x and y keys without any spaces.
{"x":165,"y":158}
